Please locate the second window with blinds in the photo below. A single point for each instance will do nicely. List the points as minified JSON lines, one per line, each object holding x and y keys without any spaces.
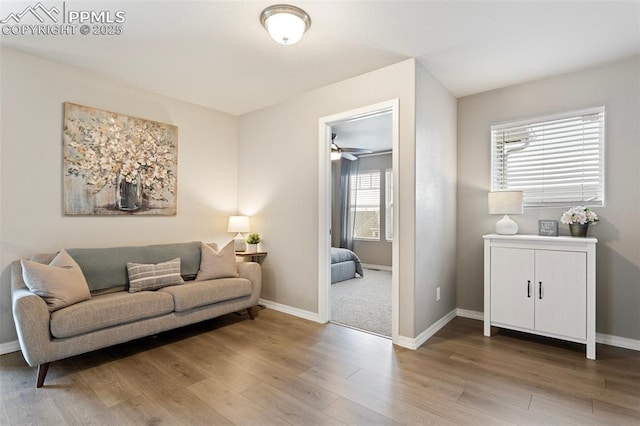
{"x":555,"y":160}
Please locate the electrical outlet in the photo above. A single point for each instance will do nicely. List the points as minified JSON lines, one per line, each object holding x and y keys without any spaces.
{"x":437,"y":294}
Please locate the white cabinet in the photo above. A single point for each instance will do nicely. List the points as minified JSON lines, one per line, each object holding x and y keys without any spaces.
{"x":541,"y":285}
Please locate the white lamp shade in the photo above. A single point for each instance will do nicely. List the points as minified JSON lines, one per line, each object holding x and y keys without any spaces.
{"x":238,"y":224}
{"x":505,"y":202}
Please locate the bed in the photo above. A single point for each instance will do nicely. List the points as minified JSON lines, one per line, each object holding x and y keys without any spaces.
{"x":345,"y":264}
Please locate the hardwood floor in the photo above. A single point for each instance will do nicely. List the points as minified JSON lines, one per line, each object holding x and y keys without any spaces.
{"x":284,"y":370}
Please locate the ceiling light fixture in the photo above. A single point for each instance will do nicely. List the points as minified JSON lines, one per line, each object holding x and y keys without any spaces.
{"x":286,"y":24}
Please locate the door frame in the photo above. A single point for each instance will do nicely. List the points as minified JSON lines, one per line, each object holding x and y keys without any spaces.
{"x":324,"y":209}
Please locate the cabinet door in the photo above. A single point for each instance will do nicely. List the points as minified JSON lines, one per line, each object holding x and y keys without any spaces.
{"x":561,"y":307}
{"x":512,"y":274}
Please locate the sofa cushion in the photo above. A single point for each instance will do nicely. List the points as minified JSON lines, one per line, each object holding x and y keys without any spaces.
{"x":200,"y":293}
{"x":60,"y":283}
{"x":217,"y":264}
{"x":109,"y":310}
{"x":107,"y":267}
{"x":152,"y":276}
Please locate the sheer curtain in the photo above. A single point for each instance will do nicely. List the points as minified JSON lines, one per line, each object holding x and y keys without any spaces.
{"x":348,"y":168}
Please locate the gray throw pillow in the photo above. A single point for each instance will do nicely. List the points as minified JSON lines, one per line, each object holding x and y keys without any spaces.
{"x":60,"y":283}
{"x":148,"y":276}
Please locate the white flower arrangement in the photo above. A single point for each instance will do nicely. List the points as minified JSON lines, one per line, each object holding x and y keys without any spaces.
{"x":103,"y":148}
{"x":579,"y":214}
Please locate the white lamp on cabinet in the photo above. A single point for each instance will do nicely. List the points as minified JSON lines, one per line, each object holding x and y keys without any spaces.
{"x":506,"y":203}
{"x":239,"y":224}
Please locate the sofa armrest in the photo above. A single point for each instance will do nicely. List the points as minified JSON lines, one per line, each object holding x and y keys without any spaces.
{"x":31,"y":316}
{"x":253,"y":272}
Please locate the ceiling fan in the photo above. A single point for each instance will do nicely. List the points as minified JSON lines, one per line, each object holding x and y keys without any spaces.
{"x":347,"y":153}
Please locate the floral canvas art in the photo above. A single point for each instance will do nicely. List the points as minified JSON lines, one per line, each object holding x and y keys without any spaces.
{"x":115,"y":164}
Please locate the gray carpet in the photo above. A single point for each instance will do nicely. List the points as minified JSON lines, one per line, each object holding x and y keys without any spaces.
{"x":364,"y":303}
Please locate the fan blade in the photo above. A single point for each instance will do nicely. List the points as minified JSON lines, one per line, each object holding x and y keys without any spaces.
{"x":348,"y":156}
{"x":357,"y":150}
{"x":347,"y":152}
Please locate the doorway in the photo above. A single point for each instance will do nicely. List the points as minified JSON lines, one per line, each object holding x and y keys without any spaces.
{"x":355,"y":138}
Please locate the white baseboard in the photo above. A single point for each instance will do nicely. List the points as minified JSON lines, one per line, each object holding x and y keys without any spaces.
{"x":405,"y":342}
{"x":465,"y":313}
{"x":621,"y":342}
{"x":605,"y":339}
{"x":7,"y":348}
{"x":415,"y":343}
{"x":311,"y":316}
{"x":380,"y":267}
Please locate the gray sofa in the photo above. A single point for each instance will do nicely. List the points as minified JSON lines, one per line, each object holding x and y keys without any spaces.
{"x":113,"y":315}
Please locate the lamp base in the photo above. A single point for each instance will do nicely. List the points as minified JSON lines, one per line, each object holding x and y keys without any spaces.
{"x":239,"y":243}
{"x":506,"y":226}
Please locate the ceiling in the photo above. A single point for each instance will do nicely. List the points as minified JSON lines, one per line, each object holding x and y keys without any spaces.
{"x":216,"y":54}
{"x":373,"y":132}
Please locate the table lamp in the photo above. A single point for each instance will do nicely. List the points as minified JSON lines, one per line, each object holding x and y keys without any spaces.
{"x":238,"y":224}
{"x":506,"y":203}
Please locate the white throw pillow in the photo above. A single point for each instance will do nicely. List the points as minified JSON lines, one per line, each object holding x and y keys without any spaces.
{"x":60,"y":283}
{"x":217,"y":264}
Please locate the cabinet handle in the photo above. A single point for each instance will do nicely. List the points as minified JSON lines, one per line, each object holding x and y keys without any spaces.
{"x":528,"y":288}
{"x":540,"y":290}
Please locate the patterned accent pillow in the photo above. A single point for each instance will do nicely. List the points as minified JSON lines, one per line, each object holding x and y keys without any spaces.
{"x":148,"y":276}
{"x":60,"y":283}
{"x":217,"y":264}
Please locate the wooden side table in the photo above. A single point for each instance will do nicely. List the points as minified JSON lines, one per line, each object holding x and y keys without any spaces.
{"x":254,"y":256}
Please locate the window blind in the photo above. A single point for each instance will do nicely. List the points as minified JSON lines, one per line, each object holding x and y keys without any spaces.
{"x":555,"y":161}
{"x":365,"y":199}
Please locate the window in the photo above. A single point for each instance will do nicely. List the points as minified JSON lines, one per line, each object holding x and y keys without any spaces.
{"x":366,"y":201}
{"x":388,"y":204}
{"x":555,"y":161}
{"x":365,"y":204}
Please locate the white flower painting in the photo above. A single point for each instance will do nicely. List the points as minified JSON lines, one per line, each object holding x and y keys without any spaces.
{"x":116,"y":164}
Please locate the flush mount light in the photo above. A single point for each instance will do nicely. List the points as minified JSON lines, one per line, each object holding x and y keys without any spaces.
{"x":285,"y":23}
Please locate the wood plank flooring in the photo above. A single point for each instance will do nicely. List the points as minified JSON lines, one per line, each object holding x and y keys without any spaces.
{"x":282,"y":370}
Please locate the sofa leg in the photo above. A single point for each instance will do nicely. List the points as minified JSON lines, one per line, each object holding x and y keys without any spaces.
{"x":252,"y":312}
{"x":42,"y":373}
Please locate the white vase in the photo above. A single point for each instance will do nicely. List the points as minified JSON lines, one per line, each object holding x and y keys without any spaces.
{"x":252,"y":248}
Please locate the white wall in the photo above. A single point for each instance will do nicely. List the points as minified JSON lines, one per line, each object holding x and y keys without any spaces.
{"x":436,"y":118}
{"x":617,"y":87}
{"x":278,"y":182}
{"x":31,"y":220}
{"x":278,"y":187}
